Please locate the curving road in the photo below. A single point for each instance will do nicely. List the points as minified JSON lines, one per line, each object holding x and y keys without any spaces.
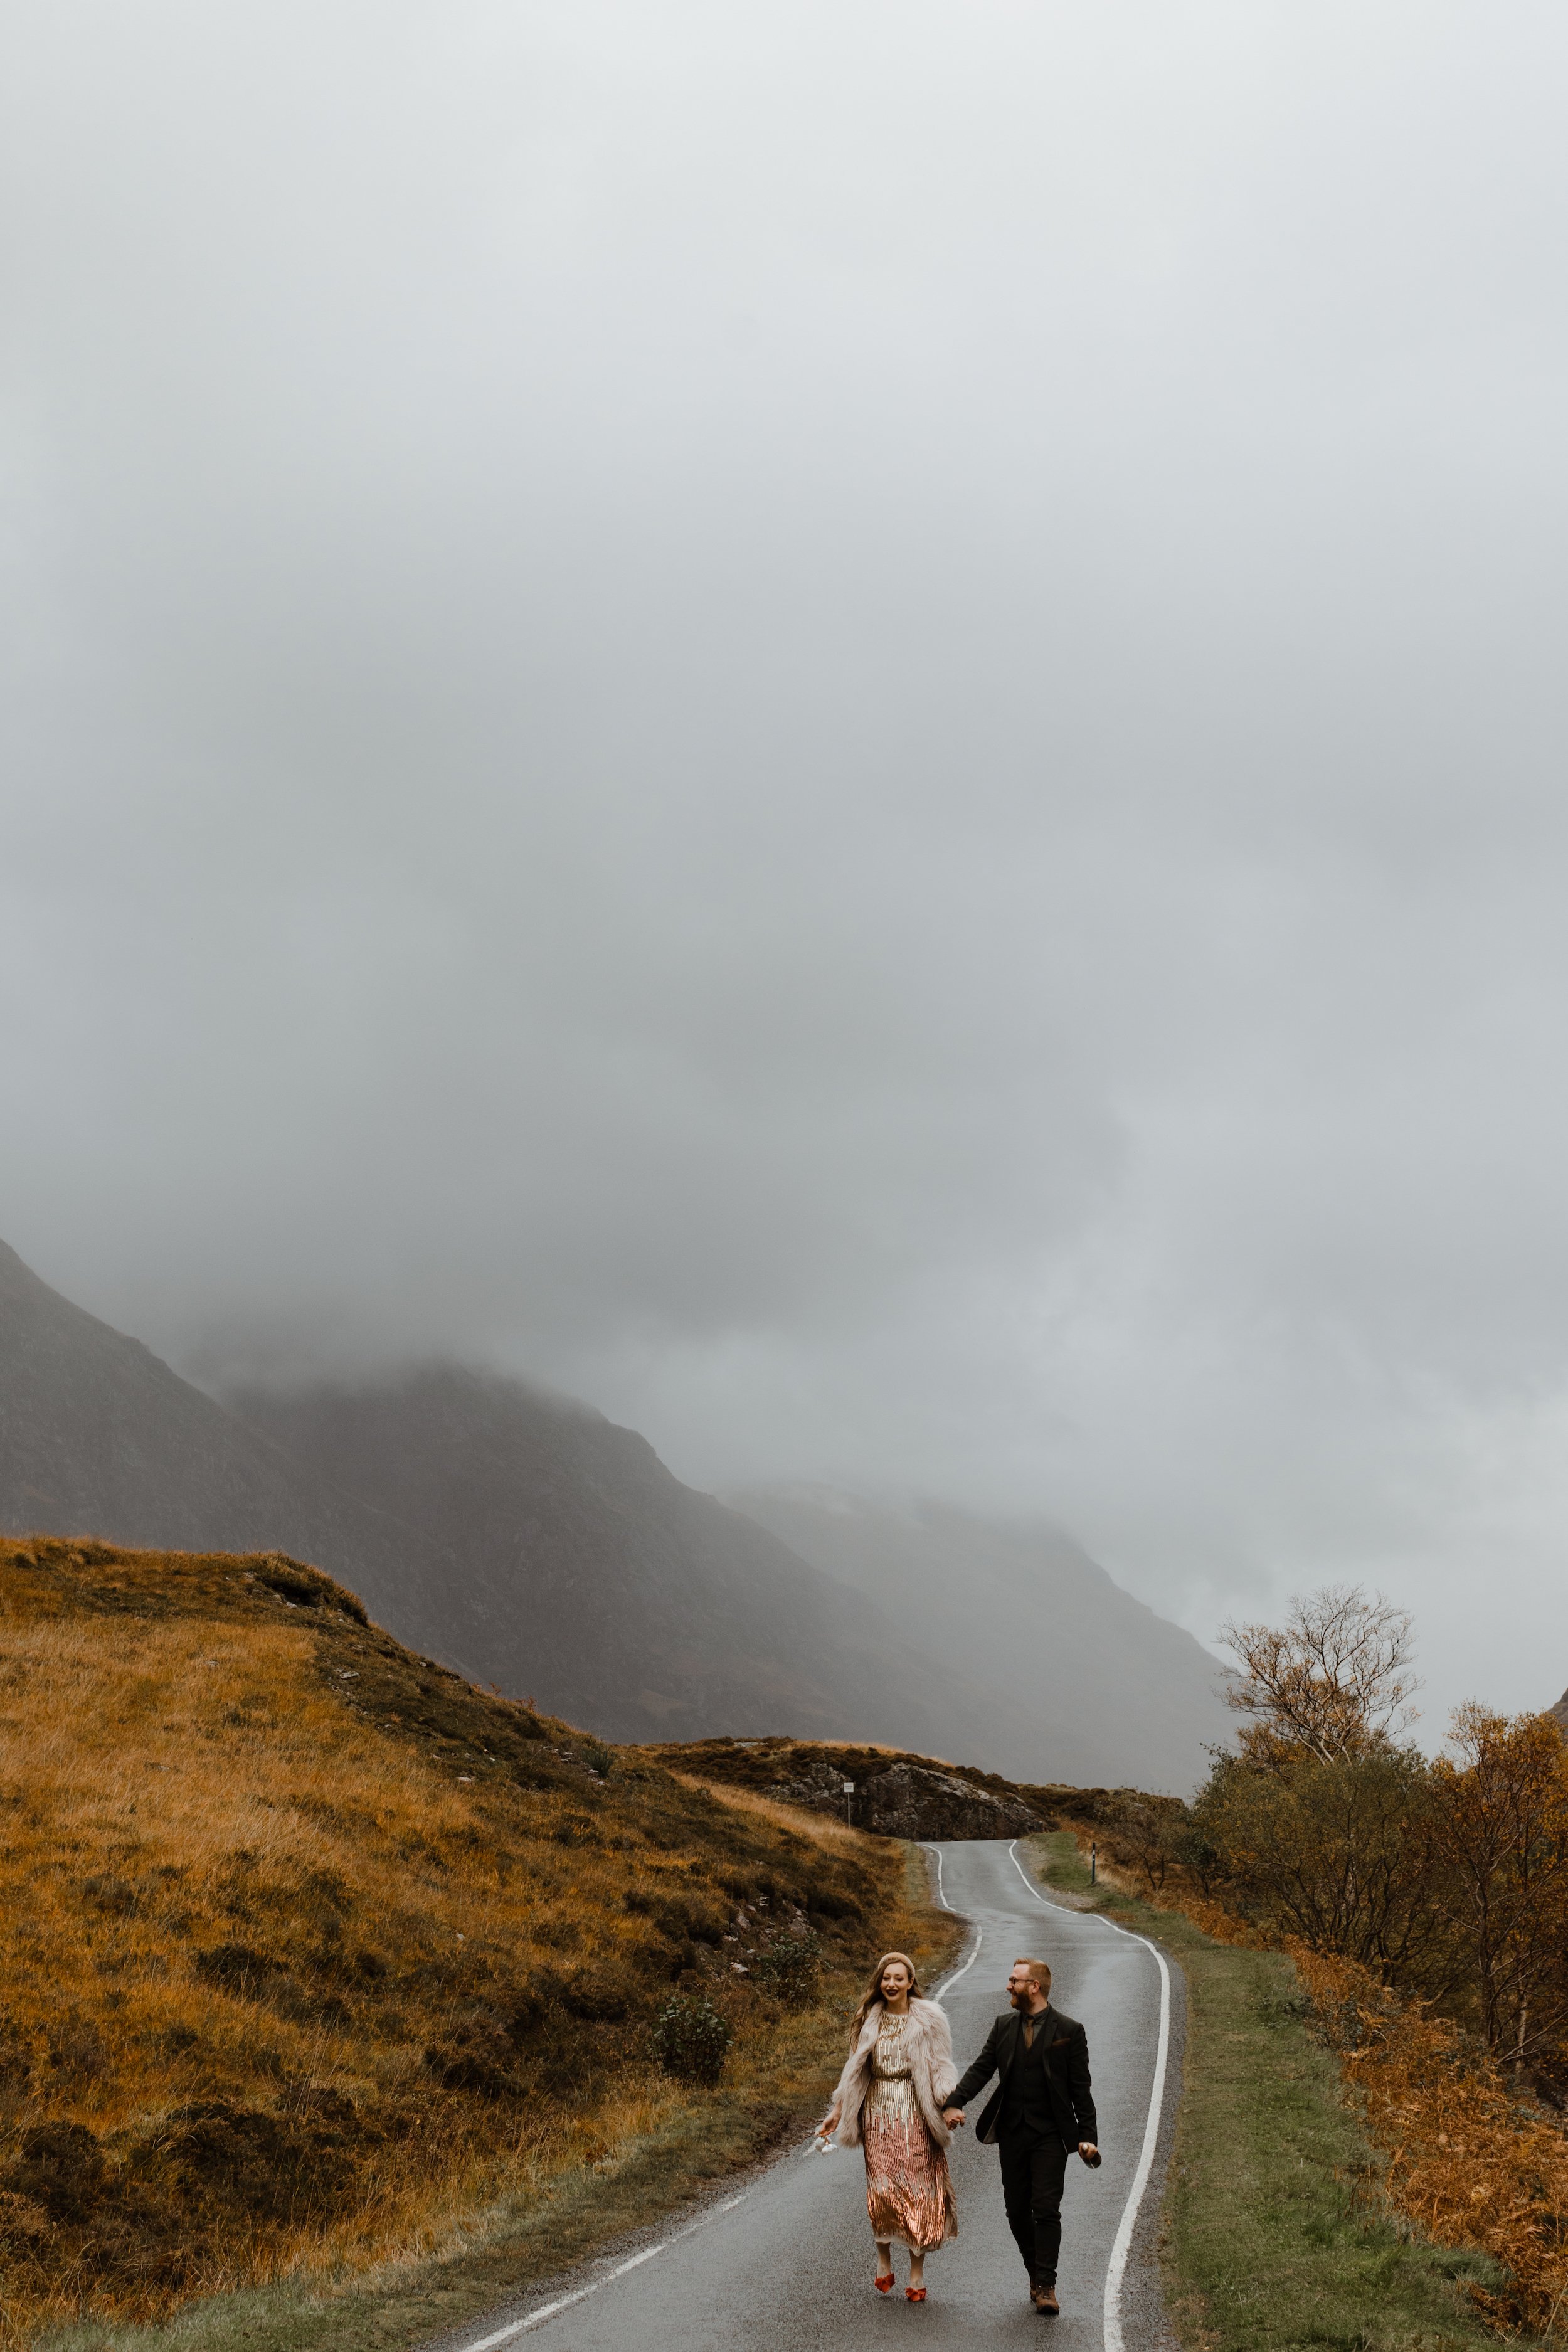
{"x":785,"y":2263}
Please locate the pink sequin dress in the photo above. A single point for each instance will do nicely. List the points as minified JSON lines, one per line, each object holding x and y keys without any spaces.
{"x":909,"y":2193}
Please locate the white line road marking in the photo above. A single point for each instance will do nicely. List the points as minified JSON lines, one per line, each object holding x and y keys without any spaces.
{"x":516,"y":2328}
{"x":1121,"y":2245}
{"x":948,"y":1982}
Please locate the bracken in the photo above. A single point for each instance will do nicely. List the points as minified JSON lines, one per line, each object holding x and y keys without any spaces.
{"x":1467,"y":2163}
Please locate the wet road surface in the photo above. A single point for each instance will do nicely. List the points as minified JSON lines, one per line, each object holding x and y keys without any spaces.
{"x":786,"y":2262}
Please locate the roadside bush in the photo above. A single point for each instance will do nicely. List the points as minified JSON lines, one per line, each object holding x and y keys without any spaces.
{"x":1343,"y":1855}
{"x":690,"y":2039}
{"x":789,"y":1967}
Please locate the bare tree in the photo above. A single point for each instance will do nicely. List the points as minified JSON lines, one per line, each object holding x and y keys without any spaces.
{"x":1333,"y":1680}
{"x":1150,"y":1831}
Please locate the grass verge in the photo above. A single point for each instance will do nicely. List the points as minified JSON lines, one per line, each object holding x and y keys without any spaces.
{"x":1278,"y":2236}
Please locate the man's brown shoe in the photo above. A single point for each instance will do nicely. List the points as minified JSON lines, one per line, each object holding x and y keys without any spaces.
{"x":1044,"y":2299}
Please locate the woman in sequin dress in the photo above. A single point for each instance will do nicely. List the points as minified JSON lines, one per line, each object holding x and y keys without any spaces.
{"x":897,"y":2078}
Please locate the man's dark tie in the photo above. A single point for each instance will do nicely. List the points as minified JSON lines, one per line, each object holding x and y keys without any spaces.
{"x":1028,"y":2033}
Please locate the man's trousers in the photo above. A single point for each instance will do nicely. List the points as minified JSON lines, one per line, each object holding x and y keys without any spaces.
{"x":1033,"y":2171}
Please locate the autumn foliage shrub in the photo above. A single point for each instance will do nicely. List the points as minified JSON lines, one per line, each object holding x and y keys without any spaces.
{"x":790,"y":1966}
{"x":691,"y":2039}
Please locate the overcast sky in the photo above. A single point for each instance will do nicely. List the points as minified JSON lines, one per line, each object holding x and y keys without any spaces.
{"x":843,"y":723}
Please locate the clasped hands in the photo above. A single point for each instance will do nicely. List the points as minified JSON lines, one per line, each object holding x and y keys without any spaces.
{"x":953,"y":2118}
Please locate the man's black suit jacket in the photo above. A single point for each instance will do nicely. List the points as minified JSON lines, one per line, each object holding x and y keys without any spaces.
{"x":1066,"y":2074}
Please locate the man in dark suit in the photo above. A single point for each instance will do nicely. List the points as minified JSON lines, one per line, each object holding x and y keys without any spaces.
{"x":1042,"y":2108}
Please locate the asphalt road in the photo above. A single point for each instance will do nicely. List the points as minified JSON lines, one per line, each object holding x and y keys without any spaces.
{"x":786,"y":2262}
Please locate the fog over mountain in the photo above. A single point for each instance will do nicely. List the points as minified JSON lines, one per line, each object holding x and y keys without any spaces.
{"x":98,"y":1437}
{"x":843,"y":725}
{"x":1067,"y":1660}
{"x":588,"y":1577}
{"x":527,"y":1541}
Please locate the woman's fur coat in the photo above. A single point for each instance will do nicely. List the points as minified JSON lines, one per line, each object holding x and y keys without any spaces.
{"x":928,"y":2039}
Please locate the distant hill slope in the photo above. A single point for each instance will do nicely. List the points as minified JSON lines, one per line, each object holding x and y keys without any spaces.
{"x":1083,"y":1683}
{"x":319,"y":1957}
{"x":99,"y":1437}
{"x":1559,"y":1712}
{"x":92,"y":1426}
{"x":524,"y":1538}
{"x":539,"y":1548}
{"x":593,"y":1577}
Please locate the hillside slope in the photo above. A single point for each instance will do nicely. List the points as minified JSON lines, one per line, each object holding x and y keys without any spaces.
{"x":99,"y":1437}
{"x":536,"y":1546}
{"x":1083,"y":1683}
{"x":897,"y":1793}
{"x":592,"y":1577}
{"x":521,"y":1537}
{"x":316,"y":1951}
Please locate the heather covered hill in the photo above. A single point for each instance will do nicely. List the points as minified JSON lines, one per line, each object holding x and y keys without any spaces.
{"x":1084,"y":1684}
{"x":317,"y":1955}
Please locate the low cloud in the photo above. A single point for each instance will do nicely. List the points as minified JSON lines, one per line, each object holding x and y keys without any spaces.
{"x":846,"y":726}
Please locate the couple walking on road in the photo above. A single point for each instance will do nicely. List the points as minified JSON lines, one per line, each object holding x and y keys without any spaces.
{"x":900,"y":2097}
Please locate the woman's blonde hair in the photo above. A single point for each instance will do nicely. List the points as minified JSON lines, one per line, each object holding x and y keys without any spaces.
{"x":873,"y":1995}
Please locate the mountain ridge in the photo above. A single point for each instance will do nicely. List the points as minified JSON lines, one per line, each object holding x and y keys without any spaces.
{"x":539,"y":1547}
{"x":1091,"y":1686}
{"x":526,"y":1539}
{"x":697,"y":1613}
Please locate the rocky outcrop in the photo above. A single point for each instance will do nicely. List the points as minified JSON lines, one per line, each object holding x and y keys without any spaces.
{"x":1559,"y":1714}
{"x":910,"y":1801}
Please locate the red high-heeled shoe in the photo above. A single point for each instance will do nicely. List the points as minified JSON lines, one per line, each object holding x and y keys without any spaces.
{"x":884,"y":2285}
{"x":914,"y":2294}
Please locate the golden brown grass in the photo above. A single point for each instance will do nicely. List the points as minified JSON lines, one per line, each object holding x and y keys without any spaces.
{"x":1467,"y":2163}
{"x":821,"y":1828}
{"x":317,"y":1954}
